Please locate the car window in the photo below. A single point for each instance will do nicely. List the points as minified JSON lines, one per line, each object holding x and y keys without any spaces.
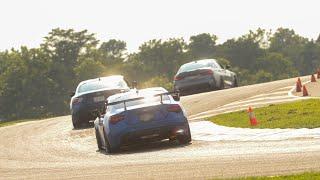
{"x":218,"y":65}
{"x":193,"y":66}
{"x":213,"y":65}
{"x":102,"y":84}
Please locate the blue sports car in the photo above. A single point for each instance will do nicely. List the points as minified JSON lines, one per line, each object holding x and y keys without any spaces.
{"x":145,"y":115}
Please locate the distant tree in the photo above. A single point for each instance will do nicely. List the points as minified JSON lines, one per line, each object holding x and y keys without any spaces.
{"x":276,"y":64}
{"x":66,"y":45}
{"x":310,"y":57}
{"x":89,"y":69}
{"x":158,"y":81}
{"x":25,"y":87}
{"x":318,"y":40}
{"x":223,"y":61}
{"x":202,"y":45}
{"x":162,"y":58}
{"x":244,"y":51}
{"x":113,"y":50}
{"x":290,"y":44}
{"x":263,"y":76}
{"x":134,"y":69}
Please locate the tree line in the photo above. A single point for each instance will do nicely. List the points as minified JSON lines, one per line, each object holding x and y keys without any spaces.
{"x":36,"y":82}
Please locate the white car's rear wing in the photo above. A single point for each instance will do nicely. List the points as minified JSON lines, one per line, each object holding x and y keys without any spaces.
{"x":175,"y":95}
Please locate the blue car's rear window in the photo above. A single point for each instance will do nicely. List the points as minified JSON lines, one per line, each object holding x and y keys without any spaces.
{"x":193,"y":66}
{"x":146,"y":101}
{"x":102,"y":84}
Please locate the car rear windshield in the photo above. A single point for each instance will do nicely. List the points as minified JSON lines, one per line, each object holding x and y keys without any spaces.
{"x":146,"y":101}
{"x":193,"y":66}
{"x":102,"y":84}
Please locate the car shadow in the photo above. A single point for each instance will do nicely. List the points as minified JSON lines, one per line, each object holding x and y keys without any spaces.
{"x":84,"y":126}
{"x":147,"y":147}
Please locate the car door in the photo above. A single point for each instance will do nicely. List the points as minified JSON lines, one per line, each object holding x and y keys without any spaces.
{"x":221,"y":72}
{"x":229,"y":77}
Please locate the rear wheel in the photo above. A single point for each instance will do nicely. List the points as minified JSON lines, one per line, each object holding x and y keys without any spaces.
{"x":108,"y":147}
{"x":235,"y":82}
{"x":185,"y":139}
{"x":98,"y":139}
{"x":213,"y":85}
{"x":75,"y":122}
{"x":221,"y":86}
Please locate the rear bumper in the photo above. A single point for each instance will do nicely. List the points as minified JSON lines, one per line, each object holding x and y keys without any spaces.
{"x":86,"y":112}
{"x":191,"y":84}
{"x":150,"y":134}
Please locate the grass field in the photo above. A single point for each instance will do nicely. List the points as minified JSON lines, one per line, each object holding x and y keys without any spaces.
{"x":303,"y":176}
{"x":299,"y":114}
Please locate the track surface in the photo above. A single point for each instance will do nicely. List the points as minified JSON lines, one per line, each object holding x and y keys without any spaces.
{"x":51,"y":149}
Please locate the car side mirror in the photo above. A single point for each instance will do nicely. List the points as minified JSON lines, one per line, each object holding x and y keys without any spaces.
{"x":176,"y":96}
{"x":228,"y":66}
{"x":72,"y":94}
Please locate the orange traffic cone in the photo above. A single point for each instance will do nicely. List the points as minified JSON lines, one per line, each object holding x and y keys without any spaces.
{"x":318,"y":73}
{"x":305,"y":91}
{"x":299,"y":81}
{"x":313,"y":79}
{"x":298,"y":87}
{"x":252,"y":117}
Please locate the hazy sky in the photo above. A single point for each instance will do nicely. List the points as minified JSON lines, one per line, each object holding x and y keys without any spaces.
{"x":26,"y":22}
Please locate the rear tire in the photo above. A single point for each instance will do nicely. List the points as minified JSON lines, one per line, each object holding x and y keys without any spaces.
{"x":185,"y":139}
{"x":235,"y":83}
{"x":108,"y":147}
{"x":221,"y":86}
{"x":98,"y":139}
{"x":75,"y":122}
{"x":213,"y":86}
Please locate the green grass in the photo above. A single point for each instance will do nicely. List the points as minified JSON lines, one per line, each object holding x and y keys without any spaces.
{"x":303,"y":176}
{"x":8,"y":123}
{"x":299,"y":114}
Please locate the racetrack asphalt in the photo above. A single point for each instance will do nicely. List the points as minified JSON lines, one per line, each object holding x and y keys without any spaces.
{"x":51,"y":149}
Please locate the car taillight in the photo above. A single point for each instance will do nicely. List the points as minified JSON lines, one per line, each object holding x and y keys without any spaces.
{"x":174,"y":108}
{"x":76,"y":100}
{"x":116,"y":118}
{"x":177,"y":78}
{"x":207,"y":72}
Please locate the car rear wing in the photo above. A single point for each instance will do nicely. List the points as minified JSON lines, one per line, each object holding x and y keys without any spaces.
{"x":174,"y":94}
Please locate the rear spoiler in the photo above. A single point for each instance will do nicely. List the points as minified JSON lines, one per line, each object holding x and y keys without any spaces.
{"x":175,"y":95}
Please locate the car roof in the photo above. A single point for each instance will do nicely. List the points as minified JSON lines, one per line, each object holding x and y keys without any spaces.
{"x":199,"y":61}
{"x":113,"y":77}
{"x":134,"y":93}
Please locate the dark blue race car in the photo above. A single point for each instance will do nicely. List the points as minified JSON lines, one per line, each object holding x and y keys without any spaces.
{"x":145,"y":115}
{"x":90,"y":95}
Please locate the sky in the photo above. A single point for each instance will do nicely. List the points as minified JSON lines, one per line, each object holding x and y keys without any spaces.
{"x":26,"y":22}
